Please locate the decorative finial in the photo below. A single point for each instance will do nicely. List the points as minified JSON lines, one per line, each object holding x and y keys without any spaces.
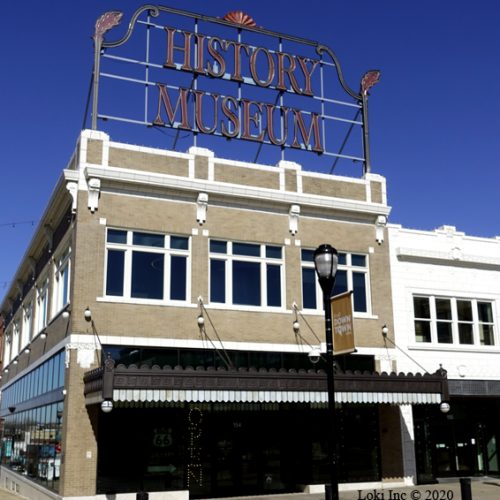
{"x":369,"y":79}
{"x":239,"y":17}
{"x":107,"y":21}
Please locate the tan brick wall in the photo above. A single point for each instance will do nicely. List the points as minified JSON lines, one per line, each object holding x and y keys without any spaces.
{"x":334,"y":188}
{"x":201,"y":167}
{"x":158,"y":321}
{"x":246,"y":176}
{"x":376,"y":188}
{"x":391,"y":447}
{"x":126,"y":158}
{"x":79,"y":463}
{"x":94,"y":151}
{"x":290,"y":180}
{"x":357,"y":238}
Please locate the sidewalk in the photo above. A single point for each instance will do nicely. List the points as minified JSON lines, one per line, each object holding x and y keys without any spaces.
{"x":482,"y":489}
{"x":7,"y":495}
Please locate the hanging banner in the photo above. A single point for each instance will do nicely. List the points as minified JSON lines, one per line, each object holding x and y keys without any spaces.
{"x":343,"y":324}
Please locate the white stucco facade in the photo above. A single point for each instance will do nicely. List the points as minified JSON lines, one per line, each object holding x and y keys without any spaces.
{"x":446,"y":264}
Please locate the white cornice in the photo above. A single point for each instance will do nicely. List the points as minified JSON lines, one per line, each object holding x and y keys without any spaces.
{"x":447,"y":258}
{"x":113,"y":174}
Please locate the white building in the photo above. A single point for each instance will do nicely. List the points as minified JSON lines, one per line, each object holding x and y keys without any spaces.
{"x":446,"y":293}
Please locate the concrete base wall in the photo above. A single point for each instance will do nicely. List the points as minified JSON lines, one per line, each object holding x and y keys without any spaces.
{"x":25,"y":488}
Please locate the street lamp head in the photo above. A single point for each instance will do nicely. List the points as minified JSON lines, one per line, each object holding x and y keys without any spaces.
{"x":326,"y":261}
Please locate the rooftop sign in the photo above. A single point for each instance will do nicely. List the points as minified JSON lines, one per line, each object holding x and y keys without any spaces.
{"x":228,"y":78}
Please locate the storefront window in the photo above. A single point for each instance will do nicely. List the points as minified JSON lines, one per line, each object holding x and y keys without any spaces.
{"x":32,"y":438}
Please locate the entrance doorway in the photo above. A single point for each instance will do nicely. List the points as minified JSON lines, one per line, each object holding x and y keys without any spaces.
{"x":461,"y":443}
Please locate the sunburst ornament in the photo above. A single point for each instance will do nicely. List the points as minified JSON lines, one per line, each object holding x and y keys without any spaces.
{"x":239,"y":17}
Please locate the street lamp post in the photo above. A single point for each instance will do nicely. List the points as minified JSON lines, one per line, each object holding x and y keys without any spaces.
{"x":325,"y":262}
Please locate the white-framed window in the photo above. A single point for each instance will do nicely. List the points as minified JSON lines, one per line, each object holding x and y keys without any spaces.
{"x":62,"y":280}
{"x":451,"y":320}
{"x":42,"y":305}
{"x":7,"y":349}
{"x":147,"y":266}
{"x":246,"y":274}
{"x":14,"y":349}
{"x":352,"y":274}
{"x":27,"y":329}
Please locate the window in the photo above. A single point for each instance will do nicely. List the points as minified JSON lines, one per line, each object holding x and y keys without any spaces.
{"x":7,"y":349}
{"x":352,"y":274}
{"x":61,"y":281}
{"x":246,"y":274}
{"x":26,"y":332}
{"x":15,"y":339}
{"x":148,"y":266}
{"x":42,"y":303}
{"x":446,"y":320}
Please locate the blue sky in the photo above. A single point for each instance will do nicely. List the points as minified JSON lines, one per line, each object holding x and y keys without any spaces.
{"x":433,"y":116}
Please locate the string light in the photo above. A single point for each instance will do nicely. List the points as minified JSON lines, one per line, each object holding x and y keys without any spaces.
{"x":18,"y":223}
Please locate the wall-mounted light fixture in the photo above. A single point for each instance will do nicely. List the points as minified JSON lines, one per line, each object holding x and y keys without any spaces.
{"x":314,"y":355}
{"x":87,"y":314}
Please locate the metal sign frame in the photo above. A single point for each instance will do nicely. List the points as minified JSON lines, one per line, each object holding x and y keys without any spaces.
{"x":315,"y":139}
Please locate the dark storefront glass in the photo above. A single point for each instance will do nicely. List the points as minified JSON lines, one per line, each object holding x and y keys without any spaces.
{"x":232,"y":449}
{"x":32,"y":437}
{"x":460,"y":443}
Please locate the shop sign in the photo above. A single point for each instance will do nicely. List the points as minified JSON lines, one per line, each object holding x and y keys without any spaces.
{"x":224,"y":77}
{"x":343,"y":324}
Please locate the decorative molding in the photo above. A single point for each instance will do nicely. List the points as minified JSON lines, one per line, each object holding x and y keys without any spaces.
{"x":94,"y":187}
{"x":32,"y":263}
{"x":84,"y":354}
{"x":293,"y":219}
{"x":72,"y":187}
{"x":380,"y":225}
{"x":49,"y":236}
{"x":263,"y":195}
{"x":201,"y":208}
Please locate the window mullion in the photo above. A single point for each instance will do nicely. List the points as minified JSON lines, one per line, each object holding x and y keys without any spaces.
{"x":475,"y":323}
{"x":228,"y":263}
{"x":454,"y":322}
{"x":127,"y":273}
{"x":432,"y":307}
{"x":263,"y":282}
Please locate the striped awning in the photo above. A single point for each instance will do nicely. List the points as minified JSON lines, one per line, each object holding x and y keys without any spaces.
{"x":206,"y":396}
{"x":165,"y":385}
